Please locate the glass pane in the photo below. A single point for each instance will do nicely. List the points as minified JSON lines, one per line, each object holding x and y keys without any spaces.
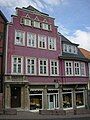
{"x":79,"y":99}
{"x":67,"y":100}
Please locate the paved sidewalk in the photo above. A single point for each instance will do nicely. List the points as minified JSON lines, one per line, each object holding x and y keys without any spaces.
{"x":22,"y":115}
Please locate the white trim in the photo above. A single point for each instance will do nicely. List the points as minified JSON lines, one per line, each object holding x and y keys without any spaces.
{"x":42,"y":38}
{"x":33,"y":58}
{"x":83,"y":98}
{"x":53,"y":42}
{"x":43,"y":59}
{"x":72,"y":100}
{"x":53,"y":60}
{"x":16,"y":43}
{"x":37,"y":94}
{"x":67,"y":67}
{"x":34,"y":35}
{"x":75,"y":67}
{"x":6,"y":51}
{"x":22,"y":64}
{"x":84,"y":68}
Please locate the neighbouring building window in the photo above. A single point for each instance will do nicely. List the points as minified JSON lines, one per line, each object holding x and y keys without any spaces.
{"x":89,"y":69}
{"x":45,"y":26}
{"x":31,"y":66}
{"x":64,"y":48}
{"x":83,"y":70}
{"x":74,"y":49}
{"x":31,"y":39}
{"x":17,"y":65}
{"x":51,"y":43}
{"x":68,"y":68}
{"x":69,"y":49}
{"x":53,"y":99}
{"x":36,"y":99}
{"x":80,"y":98}
{"x":67,"y":100}
{"x":42,"y":41}
{"x":27,"y":21}
{"x":43,"y":67}
{"x":54,"y":67}
{"x":19,"y":37}
{"x":37,"y":24}
{"x":77,"y":68}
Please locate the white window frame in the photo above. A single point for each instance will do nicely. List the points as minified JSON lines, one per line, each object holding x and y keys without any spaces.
{"x":27,"y":21}
{"x":54,"y":67}
{"x":18,"y":36}
{"x":36,"y":24}
{"x":83,"y":98}
{"x":42,"y":59}
{"x":52,"y":43}
{"x":42,"y":43}
{"x":57,"y":98}
{"x":37,"y":94}
{"x":31,"y":38}
{"x":30,"y":65}
{"x":74,"y":49}
{"x":12,"y":62}
{"x":83,"y":68}
{"x":69,"y":68}
{"x":45,"y":26}
{"x":76,"y":67}
{"x":65,"y":48}
{"x":71,"y":97}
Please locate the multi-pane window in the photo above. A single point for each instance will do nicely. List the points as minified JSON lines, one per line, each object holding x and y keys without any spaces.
{"x":17,"y":65}
{"x":51,"y":43}
{"x":64,"y":48}
{"x":19,"y":37}
{"x":67,"y":100}
{"x":31,"y":39}
{"x":42,"y":41}
{"x":31,"y":66}
{"x":37,"y":24}
{"x":27,"y":21}
{"x":54,"y":67}
{"x":43,"y":67}
{"x":83,"y":71}
{"x":69,"y":49}
{"x":45,"y":26}
{"x":68,"y":68}
{"x":80,"y":99}
{"x":76,"y":68}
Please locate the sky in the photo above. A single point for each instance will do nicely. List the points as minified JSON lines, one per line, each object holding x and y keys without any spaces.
{"x":71,"y":16}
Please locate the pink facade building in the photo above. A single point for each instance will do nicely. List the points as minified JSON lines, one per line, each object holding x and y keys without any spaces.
{"x":43,"y":70}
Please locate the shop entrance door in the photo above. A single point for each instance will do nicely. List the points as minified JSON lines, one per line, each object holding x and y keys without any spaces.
{"x":15,"y":96}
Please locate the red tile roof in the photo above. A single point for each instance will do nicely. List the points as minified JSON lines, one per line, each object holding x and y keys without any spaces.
{"x":86,"y":53}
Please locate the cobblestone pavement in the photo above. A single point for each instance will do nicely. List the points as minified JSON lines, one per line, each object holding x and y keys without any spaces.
{"x":36,"y":116}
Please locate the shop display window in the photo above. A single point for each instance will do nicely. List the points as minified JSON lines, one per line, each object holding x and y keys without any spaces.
{"x":67,"y":100}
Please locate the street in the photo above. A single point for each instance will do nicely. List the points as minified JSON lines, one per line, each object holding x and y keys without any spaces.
{"x":22,"y":115}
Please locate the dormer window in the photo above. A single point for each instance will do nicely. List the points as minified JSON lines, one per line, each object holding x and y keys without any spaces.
{"x":27,"y":22}
{"x":37,"y":24}
{"x":45,"y":26}
{"x":69,"y":49}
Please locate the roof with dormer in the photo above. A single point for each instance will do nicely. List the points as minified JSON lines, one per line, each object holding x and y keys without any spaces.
{"x":71,"y":56}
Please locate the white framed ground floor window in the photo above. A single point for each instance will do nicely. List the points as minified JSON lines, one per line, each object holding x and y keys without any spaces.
{"x":80,"y":99}
{"x":53,"y":99}
{"x":36,"y":97}
{"x":67,"y":100}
